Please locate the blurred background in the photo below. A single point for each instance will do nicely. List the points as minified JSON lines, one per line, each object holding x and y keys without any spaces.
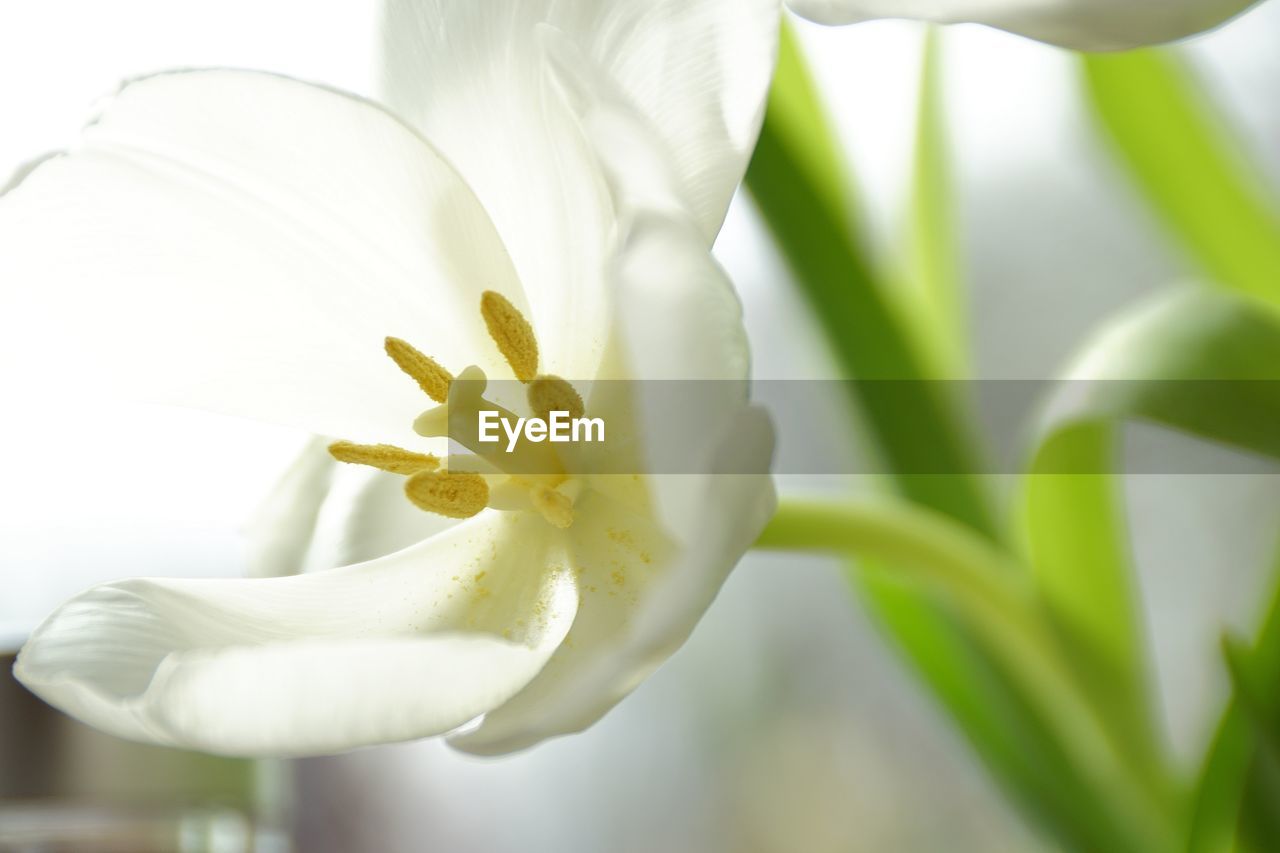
{"x":786,"y":724}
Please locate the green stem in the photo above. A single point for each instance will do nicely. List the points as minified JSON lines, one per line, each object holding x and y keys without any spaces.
{"x":994,"y":599}
{"x":935,"y":551}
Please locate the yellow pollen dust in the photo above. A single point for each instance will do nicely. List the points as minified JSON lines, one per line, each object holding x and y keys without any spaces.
{"x":552,"y":394}
{"x":453,"y":495}
{"x":556,"y":508}
{"x":385,"y":457}
{"x":512,"y":333}
{"x":433,"y":379}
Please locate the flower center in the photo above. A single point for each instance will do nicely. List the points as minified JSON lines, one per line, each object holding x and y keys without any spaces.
{"x":493,"y":476}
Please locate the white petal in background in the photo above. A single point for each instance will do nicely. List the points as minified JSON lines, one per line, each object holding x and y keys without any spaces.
{"x":1079,"y":24}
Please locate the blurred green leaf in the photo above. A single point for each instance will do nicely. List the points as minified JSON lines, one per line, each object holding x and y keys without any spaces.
{"x":932,"y":275}
{"x":1181,"y":155}
{"x":798,"y":179}
{"x":1079,"y":550}
{"x":1198,"y":361}
{"x":1237,"y":796}
{"x":1202,"y":362}
{"x":1006,"y":724}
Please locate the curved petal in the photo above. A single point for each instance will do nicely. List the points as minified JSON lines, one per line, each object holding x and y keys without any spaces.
{"x":641,"y":598}
{"x":367,"y":516}
{"x":676,"y":316}
{"x":410,"y":645}
{"x":699,"y":70}
{"x":244,"y":242}
{"x":1078,"y":24}
{"x":281,"y":532}
{"x":473,"y":78}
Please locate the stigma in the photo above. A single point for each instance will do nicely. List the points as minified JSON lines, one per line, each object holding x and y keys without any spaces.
{"x":522,"y":477}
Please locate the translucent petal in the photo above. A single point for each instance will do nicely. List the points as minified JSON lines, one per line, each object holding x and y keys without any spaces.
{"x":473,"y":78}
{"x":409,"y":645}
{"x":641,"y":598}
{"x":243,"y":242}
{"x":1079,"y":24}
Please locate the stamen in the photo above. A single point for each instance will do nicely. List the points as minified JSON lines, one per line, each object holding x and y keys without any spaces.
{"x":512,"y":333}
{"x":555,"y":507}
{"x":385,"y":457}
{"x":458,"y":421}
{"x":453,"y":495}
{"x":552,"y":394}
{"x":433,"y":379}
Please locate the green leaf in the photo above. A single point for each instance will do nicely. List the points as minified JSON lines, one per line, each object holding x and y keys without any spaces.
{"x":933,"y":289}
{"x":799,"y":181}
{"x":1237,"y":798}
{"x":1079,"y":550}
{"x":1179,"y":152}
{"x":797,"y":178}
{"x":1003,"y":721}
{"x":1202,"y":362}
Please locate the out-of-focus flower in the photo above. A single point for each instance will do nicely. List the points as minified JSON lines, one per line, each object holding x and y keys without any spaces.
{"x":1079,"y":24}
{"x":251,"y":244}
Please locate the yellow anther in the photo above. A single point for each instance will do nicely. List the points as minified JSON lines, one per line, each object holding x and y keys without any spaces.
{"x":451,"y":494}
{"x":430,"y":376}
{"x":386,"y":457}
{"x":552,"y":394}
{"x":556,"y":508}
{"x":512,"y":333}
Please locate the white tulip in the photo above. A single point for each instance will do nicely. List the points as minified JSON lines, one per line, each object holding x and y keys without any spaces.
{"x":246,"y":243}
{"x":1078,"y":24}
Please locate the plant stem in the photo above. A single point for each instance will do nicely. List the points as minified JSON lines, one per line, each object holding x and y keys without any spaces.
{"x":956,"y":563}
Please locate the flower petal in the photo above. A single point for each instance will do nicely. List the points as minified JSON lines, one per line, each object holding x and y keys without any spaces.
{"x":699,"y":70}
{"x":244,"y":243}
{"x":368,"y":516}
{"x":281,"y":531}
{"x":410,"y":645}
{"x":640,"y":599}
{"x":1078,"y":24}
{"x":473,"y":78}
{"x":676,"y":315}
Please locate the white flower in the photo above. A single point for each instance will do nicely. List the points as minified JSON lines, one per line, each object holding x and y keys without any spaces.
{"x":1079,"y":24}
{"x":246,"y":243}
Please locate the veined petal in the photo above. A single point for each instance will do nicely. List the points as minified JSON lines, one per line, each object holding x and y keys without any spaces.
{"x":680,"y":320}
{"x":474,"y":79}
{"x":676,"y":315}
{"x":1078,"y":24}
{"x":641,"y":598}
{"x":698,"y":70}
{"x":409,"y":645}
{"x":244,"y":243}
